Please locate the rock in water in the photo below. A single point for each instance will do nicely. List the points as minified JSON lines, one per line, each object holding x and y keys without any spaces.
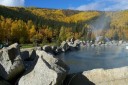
{"x":75,"y":45}
{"x":47,"y":71}
{"x":58,"y":50}
{"x":47,"y":48}
{"x":54,"y":48}
{"x":64,"y":46}
{"x":116,"y":76}
{"x":10,"y":62}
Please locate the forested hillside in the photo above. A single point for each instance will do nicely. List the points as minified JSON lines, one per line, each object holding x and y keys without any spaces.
{"x":27,"y":25}
{"x":118,"y":25}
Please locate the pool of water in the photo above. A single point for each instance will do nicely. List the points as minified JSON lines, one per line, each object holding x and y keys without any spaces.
{"x":88,"y":58}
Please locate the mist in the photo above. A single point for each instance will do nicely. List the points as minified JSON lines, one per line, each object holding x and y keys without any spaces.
{"x":100,"y":24}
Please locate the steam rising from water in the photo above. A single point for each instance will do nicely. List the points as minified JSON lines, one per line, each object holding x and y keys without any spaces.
{"x":100,"y":24}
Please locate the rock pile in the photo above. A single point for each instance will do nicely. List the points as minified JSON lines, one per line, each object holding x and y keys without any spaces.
{"x":31,"y":67}
{"x":41,"y":67}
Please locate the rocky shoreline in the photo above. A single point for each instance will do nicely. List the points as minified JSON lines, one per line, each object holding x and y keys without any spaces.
{"x":39,"y":66}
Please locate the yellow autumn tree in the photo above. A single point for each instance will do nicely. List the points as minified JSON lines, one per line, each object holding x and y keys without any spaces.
{"x":32,"y":32}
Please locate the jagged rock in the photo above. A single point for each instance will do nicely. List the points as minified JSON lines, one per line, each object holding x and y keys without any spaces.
{"x":28,"y":54}
{"x":116,"y":76}
{"x":47,"y":71}
{"x":10,"y":62}
{"x":64,"y":46}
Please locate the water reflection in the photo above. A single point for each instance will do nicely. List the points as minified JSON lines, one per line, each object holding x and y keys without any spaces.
{"x":96,"y":57}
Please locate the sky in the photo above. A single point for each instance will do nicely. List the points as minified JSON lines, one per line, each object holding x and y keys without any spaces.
{"x":103,"y":5}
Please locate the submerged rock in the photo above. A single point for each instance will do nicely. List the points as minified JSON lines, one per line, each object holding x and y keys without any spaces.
{"x":47,"y":71}
{"x":10,"y":62}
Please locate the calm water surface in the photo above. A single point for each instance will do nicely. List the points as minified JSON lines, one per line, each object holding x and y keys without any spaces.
{"x":96,"y":57}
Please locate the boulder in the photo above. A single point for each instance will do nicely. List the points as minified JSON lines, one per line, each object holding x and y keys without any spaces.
{"x":120,"y":42}
{"x":77,"y":79}
{"x":38,"y":48}
{"x":77,"y":43}
{"x":74,"y":46}
{"x":28,"y":54}
{"x":72,"y":40}
{"x":64,"y":46}
{"x":10,"y":62}
{"x":47,"y":71}
{"x":54,"y":48}
{"x":47,"y":48}
{"x":116,"y":76}
{"x":58,"y":50}
{"x":93,"y":45}
{"x":71,"y":46}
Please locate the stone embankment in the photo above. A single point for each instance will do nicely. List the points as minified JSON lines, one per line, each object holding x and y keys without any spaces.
{"x":30,"y":67}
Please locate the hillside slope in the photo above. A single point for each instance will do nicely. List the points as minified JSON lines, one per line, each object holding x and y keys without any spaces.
{"x":27,"y":25}
{"x":42,"y":24}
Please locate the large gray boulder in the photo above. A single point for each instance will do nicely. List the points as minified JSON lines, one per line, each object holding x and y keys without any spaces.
{"x":116,"y":76}
{"x":47,"y":71}
{"x":64,"y":46}
{"x":47,"y":48}
{"x":10,"y":62}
